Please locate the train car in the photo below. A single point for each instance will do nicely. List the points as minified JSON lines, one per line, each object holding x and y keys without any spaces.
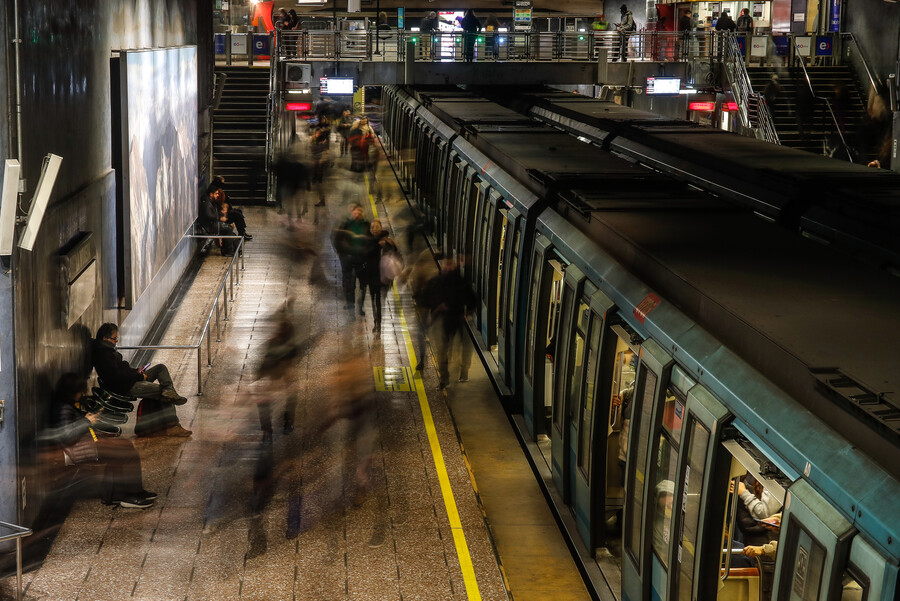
{"x":658,"y":345}
{"x":836,"y":202}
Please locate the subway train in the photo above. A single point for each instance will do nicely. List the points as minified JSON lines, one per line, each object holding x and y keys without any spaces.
{"x":662,"y":349}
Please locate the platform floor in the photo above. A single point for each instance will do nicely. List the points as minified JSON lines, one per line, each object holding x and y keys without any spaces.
{"x":451,"y":509}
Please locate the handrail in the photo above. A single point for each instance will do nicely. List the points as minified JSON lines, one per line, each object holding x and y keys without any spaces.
{"x":766,"y":121}
{"x":230,"y":274}
{"x":837,"y":126}
{"x":862,"y":57}
{"x":742,"y":89}
{"x":18,"y":533}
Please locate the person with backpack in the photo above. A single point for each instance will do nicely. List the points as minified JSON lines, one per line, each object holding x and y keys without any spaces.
{"x":625,"y":28}
{"x":745,"y":22}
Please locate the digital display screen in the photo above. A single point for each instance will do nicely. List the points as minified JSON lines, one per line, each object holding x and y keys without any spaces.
{"x":663,"y":85}
{"x":336,"y":85}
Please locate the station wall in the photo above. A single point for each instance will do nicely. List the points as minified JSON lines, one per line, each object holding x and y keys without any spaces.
{"x":66,"y":109}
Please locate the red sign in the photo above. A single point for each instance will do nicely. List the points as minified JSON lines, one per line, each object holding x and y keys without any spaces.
{"x":299,"y":106}
{"x":729,"y":106}
{"x":702,"y":106}
{"x":645,"y":306}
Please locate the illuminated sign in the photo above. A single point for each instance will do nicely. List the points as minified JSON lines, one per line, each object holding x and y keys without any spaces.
{"x":702,"y":106}
{"x":336,"y":85}
{"x":729,"y":106}
{"x":298,"y":106}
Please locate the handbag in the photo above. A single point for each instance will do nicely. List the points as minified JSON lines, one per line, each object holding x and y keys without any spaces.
{"x":84,"y":450}
{"x":391,"y":267}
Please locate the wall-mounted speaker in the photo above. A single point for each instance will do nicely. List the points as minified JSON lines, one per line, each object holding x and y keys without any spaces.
{"x":8,"y":201}
{"x":49,"y":171}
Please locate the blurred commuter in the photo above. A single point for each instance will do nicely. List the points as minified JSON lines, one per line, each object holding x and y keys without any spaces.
{"x":371,"y":269}
{"x":725,"y":23}
{"x":418,"y":277}
{"x":349,"y":240}
{"x":600,"y":23}
{"x":450,"y":299}
{"x":343,"y":127}
{"x":73,"y":429}
{"x":152,"y":384}
{"x":492,"y":27}
{"x":319,"y":146}
{"x":470,"y":26}
{"x":276,"y":372}
{"x":772,"y":93}
{"x":359,"y":139}
{"x":293,"y":179}
{"x":804,"y":108}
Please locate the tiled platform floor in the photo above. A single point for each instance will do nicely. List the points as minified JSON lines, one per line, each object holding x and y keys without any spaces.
{"x":391,"y":541}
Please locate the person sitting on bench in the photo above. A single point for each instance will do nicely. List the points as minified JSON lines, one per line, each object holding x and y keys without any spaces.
{"x":155,"y":415}
{"x":72,"y":428}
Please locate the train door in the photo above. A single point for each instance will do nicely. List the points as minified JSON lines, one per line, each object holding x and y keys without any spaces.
{"x":452,"y":204}
{"x":587,"y":455}
{"x":507,"y":294}
{"x":569,"y":347}
{"x":493,"y":242}
{"x":474,"y":261}
{"x":866,"y":576}
{"x":736,"y":558}
{"x":815,"y":536}
{"x":472,"y":193}
{"x":640,"y":487}
{"x":545,"y":278}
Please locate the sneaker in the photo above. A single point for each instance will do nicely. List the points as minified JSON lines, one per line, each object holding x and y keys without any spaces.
{"x":134,"y":503}
{"x":170,"y":395}
{"x":146,"y":494}
{"x":463,"y":379}
{"x":178,"y":432}
{"x":247,"y":236}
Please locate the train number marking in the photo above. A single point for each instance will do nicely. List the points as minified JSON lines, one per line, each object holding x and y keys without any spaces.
{"x":645,"y":306}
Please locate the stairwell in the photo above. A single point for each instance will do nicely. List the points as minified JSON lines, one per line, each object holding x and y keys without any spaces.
{"x":239,"y":133}
{"x":820,"y":131}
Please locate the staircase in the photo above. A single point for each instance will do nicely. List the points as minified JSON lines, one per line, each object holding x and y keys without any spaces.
{"x":239,"y":133}
{"x":821,"y":129}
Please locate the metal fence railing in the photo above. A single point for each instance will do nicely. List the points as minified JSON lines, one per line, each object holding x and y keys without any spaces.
{"x":233,"y":276}
{"x":18,"y":533}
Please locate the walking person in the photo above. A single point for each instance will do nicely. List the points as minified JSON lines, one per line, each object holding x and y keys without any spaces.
{"x":450,"y":299}
{"x":349,"y":240}
{"x":745,"y":22}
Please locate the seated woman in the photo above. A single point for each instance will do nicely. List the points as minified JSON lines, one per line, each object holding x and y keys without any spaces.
{"x":72,"y":429}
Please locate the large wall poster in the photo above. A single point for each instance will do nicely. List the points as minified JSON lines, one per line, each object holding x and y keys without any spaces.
{"x":159,"y":141}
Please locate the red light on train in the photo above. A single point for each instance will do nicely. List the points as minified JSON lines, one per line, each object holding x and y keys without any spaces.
{"x":702,"y":106}
{"x":298,"y":106}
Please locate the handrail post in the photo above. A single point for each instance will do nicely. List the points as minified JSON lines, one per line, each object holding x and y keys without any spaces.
{"x":218,"y":329}
{"x":200,"y":368}
{"x":19,"y":567}
{"x":208,"y":348}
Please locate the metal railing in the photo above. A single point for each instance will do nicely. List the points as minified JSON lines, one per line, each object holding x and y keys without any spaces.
{"x":232,"y":275}
{"x":837,"y":126}
{"x":862,"y":59}
{"x":391,"y":46}
{"x":18,"y":533}
{"x":742,"y":90}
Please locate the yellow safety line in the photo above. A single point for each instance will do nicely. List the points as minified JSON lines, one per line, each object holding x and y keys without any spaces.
{"x":459,"y":537}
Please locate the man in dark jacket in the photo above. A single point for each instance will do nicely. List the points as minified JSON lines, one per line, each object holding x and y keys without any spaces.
{"x":349,"y":240}
{"x":725,"y":23}
{"x":153,"y":385}
{"x":450,"y":299}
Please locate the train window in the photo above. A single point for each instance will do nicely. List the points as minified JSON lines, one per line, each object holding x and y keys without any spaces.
{"x":568,"y":301}
{"x":805,"y":563}
{"x":852,"y":587}
{"x":698,"y":441}
{"x":676,"y":397}
{"x":512,"y":275}
{"x":532,"y":341}
{"x":576,"y":355}
{"x":587,"y":404}
{"x":621,"y":392}
{"x":644,"y":391}
{"x":504,"y":213}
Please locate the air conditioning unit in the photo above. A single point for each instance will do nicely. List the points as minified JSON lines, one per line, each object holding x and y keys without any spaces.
{"x":299,"y":74}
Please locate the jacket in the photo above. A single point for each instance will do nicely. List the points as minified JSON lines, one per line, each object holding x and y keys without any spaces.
{"x":725,"y":23}
{"x":117,"y":375}
{"x":627,"y":23}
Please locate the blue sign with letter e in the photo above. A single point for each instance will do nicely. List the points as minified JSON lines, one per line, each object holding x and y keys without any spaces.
{"x":823,"y":45}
